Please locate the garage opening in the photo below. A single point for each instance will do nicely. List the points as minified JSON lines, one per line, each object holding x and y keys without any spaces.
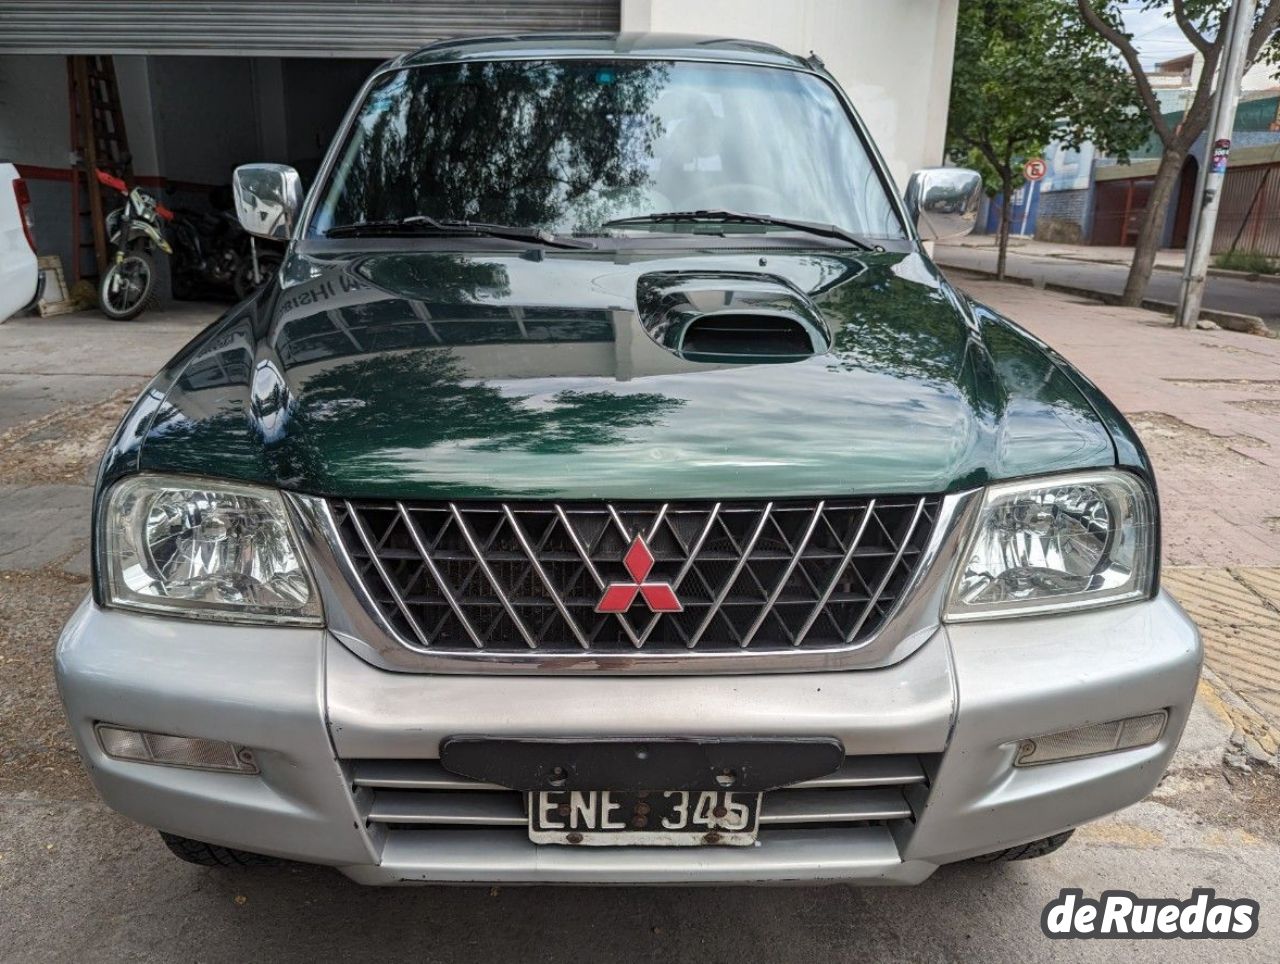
{"x":183,"y":123}
{"x":173,"y":96}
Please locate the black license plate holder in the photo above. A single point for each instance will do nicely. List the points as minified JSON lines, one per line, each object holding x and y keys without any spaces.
{"x":743,"y":765}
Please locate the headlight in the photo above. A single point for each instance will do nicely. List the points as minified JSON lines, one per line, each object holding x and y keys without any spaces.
{"x":206,"y":550}
{"x":1070,"y":542}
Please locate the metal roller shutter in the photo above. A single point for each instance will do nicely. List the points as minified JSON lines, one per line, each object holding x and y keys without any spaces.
{"x":285,"y":28}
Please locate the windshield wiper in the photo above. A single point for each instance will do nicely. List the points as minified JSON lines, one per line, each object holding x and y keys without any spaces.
{"x":421,"y":225}
{"x":719,"y":216}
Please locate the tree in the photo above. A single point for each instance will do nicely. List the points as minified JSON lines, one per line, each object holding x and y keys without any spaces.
{"x":511,"y":142}
{"x":1199,"y":20}
{"x":1027,"y":73}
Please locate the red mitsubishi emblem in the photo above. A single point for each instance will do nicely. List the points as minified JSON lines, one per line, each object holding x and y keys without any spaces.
{"x":658,"y":596}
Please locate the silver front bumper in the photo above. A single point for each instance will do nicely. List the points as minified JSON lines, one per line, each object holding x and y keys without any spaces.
{"x":307,"y":706}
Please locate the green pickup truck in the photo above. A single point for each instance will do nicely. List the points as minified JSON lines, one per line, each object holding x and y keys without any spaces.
{"x":610,"y":489}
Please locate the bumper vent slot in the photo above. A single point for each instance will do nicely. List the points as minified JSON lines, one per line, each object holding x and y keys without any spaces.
{"x":526,"y":578}
{"x":448,"y":808}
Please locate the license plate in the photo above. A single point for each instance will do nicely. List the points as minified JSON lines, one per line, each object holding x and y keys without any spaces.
{"x":645,"y":818}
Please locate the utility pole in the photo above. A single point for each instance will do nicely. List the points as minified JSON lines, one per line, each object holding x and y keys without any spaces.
{"x":1213,"y":171}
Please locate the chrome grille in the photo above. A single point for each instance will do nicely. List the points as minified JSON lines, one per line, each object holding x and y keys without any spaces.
{"x":420,"y":795}
{"x":521,"y":577}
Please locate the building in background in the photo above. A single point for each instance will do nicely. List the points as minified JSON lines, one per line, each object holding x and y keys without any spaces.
{"x":205,"y":85}
{"x":1097,"y":200}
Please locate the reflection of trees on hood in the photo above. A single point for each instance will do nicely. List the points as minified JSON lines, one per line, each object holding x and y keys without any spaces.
{"x":1025,"y":372}
{"x":423,"y":398}
{"x":509,"y":142}
{"x":577,"y":420}
{"x":362,"y":408}
{"x":882,"y":323}
{"x":219,"y":443}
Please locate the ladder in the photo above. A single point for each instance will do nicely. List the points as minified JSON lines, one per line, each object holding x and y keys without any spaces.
{"x":97,"y":141}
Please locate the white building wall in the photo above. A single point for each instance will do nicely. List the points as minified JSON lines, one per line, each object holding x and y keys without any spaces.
{"x":893,"y":57}
{"x":1259,"y":76}
{"x":35,"y":123}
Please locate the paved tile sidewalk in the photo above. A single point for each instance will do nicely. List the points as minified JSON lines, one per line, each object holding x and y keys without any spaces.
{"x":1238,"y":612}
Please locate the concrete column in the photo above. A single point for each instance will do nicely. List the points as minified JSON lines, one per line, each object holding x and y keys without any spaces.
{"x":133,"y":75}
{"x":938,"y":102}
{"x":637,"y":16}
{"x":271,"y":116}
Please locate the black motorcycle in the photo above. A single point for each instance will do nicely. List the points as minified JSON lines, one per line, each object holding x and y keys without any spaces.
{"x":210,"y":253}
{"x":213,"y":253}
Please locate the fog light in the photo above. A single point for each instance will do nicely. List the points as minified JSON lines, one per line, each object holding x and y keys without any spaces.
{"x":174,"y":751}
{"x":1092,"y":740}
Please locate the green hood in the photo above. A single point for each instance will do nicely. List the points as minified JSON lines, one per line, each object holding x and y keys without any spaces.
{"x":447,"y":376}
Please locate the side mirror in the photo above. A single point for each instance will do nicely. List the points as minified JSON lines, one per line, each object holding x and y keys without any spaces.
{"x":944,"y":201}
{"x":268,"y":199}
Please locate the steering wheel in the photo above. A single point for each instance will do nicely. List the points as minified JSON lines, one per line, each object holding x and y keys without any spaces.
{"x":740,"y":196}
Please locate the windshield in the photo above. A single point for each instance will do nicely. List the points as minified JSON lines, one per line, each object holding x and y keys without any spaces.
{"x":568,"y":145}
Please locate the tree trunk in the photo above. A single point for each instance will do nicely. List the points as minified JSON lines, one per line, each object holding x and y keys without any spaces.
{"x":1152,"y":231}
{"x":1006,"y":188}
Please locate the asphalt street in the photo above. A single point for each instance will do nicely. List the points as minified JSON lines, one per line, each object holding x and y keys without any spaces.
{"x":1221,"y":293}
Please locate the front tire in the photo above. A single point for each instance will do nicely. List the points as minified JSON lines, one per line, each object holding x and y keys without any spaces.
{"x":211,"y":855}
{"x":127,"y":286}
{"x":1027,"y":851}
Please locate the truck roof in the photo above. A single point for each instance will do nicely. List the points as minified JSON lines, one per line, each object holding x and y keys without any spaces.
{"x":651,"y":46}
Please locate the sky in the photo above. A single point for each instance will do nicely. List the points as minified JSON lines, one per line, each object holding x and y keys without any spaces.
{"x":1156,"y":36}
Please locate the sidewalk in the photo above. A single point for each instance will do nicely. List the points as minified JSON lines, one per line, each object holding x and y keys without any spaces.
{"x":1207,"y":406}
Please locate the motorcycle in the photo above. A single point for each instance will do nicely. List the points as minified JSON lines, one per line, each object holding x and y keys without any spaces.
{"x":208,"y":250}
{"x":212,"y":251}
{"x":258,"y":269}
{"x":135,"y":233}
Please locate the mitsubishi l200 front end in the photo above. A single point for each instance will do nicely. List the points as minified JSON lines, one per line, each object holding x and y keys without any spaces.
{"x":610,"y":489}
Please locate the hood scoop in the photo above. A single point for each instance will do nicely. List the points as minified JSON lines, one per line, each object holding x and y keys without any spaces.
{"x":730,"y":317}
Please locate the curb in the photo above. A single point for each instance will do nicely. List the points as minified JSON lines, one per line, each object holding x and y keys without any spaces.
{"x":1266,"y":279}
{"x":1230,"y":320}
